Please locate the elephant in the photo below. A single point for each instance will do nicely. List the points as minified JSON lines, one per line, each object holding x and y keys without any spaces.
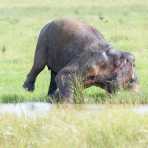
{"x":72,"y":49}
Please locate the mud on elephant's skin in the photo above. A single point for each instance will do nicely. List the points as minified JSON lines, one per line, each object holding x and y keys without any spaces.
{"x":70,"y":49}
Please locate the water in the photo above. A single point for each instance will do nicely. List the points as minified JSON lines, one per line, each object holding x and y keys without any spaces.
{"x":141,"y":109}
{"x":27,"y":109}
{"x":39,"y":109}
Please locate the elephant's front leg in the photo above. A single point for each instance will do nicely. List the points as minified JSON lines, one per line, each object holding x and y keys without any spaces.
{"x":64,"y":81}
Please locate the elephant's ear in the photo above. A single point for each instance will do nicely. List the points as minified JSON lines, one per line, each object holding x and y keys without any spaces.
{"x":98,"y":66}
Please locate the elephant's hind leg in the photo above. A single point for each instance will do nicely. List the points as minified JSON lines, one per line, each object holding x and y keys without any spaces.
{"x":40,"y":60}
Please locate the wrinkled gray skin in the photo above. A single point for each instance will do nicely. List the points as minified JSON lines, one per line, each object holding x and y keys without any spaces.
{"x":70,"y":48}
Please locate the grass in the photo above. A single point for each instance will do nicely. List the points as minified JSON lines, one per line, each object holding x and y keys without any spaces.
{"x":123,"y":23}
{"x":76,"y":128}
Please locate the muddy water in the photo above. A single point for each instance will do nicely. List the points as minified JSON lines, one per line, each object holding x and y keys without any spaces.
{"x":38,"y":109}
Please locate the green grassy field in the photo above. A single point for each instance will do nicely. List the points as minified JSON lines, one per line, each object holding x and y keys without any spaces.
{"x":123,"y":23}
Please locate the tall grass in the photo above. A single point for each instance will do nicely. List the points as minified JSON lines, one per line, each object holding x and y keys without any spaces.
{"x":72,"y":128}
{"x":78,"y":88}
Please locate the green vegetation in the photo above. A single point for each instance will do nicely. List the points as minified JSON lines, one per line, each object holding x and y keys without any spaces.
{"x":123,"y":23}
{"x":115,"y":127}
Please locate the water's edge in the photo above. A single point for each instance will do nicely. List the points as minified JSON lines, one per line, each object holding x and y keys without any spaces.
{"x":41,"y":108}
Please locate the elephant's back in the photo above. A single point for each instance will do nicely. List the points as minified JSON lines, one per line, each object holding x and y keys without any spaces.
{"x":67,"y":39}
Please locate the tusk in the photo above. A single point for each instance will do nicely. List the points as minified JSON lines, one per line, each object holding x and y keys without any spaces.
{"x":133,"y":74}
{"x":105,"y":56}
{"x":125,"y":61}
